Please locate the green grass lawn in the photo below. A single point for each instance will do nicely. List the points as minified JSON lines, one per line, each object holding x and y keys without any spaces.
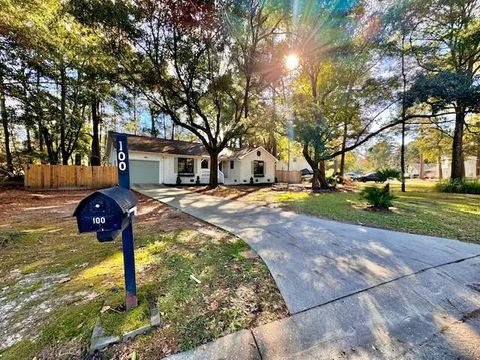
{"x":420,"y":210}
{"x":54,"y":281}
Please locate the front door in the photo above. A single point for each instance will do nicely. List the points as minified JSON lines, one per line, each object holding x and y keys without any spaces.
{"x":225,"y":168}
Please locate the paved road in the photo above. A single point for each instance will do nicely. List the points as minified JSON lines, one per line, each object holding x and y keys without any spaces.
{"x":353,"y":290}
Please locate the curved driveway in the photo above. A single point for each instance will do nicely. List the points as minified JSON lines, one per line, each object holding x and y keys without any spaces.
{"x":315,"y":261}
{"x":391,"y":280}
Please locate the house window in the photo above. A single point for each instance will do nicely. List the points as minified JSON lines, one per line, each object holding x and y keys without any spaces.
{"x":232,"y":164}
{"x":185,"y":166}
{"x":258,"y":168}
{"x":204,"y":164}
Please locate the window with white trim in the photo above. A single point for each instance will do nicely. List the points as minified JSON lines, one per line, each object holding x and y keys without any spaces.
{"x":258,"y":168}
{"x":185,"y":166}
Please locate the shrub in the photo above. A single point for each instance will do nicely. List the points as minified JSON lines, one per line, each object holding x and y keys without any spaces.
{"x":332,"y":180}
{"x":179,"y":181}
{"x":386,"y":174}
{"x":459,"y":186}
{"x":379,"y":198}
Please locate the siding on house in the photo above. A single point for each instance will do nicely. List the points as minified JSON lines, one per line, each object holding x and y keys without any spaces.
{"x":167,"y":166}
{"x":431,"y":170}
{"x":245,"y":168}
{"x":168,"y":162}
{"x":297,"y":163}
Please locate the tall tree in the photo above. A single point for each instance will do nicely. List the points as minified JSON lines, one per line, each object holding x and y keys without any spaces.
{"x":445,"y":39}
{"x":205,"y":88}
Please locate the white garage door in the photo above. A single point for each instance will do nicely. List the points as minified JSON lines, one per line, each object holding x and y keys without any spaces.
{"x":144,"y":172}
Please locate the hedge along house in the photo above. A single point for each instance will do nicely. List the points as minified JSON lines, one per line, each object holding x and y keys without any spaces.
{"x":163,"y":161}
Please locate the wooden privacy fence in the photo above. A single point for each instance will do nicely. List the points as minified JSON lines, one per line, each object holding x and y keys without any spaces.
{"x":291,"y":177}
{"x":45,"y":177}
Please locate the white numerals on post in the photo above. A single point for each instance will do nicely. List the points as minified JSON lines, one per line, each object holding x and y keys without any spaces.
{"x":122,"y":165}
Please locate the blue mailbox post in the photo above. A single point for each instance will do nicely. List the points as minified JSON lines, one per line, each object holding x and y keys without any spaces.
{"x":127,"y":234}
{"x":109,"y":212}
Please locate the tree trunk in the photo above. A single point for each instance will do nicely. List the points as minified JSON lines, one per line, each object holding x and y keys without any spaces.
{"x":342,"y":157}
{"x":322,"y":178}
{"x":402,"y":157}
{"x":63,"y":115}
{"x":422,"y":167}
{"x":440,"y":171}
{"x":213,"y":181}
{"x":52,"y":155}
{"x":6,"y":133}
{"x":404,"y":110}
{"x":173,"y":131}
{"x":95,"y":154}
{"x":153,"y":129}
{"x":38,"y":113}
{"x":458,"y":171}
{"x":316,"y":179}
{"x":319,"y":181}
{"x":29,"y":146}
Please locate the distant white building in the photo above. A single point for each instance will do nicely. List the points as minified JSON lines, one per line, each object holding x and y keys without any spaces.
{"x":470,"y":167}
{"x":431,"y":170}
{"x":297,"y":163}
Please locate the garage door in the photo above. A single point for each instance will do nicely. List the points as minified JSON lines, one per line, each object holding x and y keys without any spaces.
{"x":144,"y":172}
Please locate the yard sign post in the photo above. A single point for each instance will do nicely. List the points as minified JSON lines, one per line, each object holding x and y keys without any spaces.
{"x":127,"y":234}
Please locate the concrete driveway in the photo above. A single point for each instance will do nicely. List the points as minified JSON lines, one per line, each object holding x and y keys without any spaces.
{"x":354,"y":291}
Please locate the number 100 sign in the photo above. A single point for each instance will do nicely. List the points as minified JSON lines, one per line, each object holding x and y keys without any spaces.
{"x":122,"y":161}
{"x":121,"y":157}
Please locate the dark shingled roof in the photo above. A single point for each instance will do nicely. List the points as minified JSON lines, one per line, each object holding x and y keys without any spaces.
{"x":177,"y":147}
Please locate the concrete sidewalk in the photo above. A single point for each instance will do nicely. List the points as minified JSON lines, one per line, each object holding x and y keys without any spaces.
{"x":424,"y":316}
{"x":354,"y":292}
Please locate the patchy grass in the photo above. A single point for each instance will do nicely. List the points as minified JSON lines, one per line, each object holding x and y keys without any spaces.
{"x":116,"y":321}
{"x":54,"y":282}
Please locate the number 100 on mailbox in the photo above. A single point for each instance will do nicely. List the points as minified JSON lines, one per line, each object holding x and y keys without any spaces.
{"x":106,"y":212}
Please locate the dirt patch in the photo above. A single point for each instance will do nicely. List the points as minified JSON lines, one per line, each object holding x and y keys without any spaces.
{"x":29,"y":302}
{"x":25,"y":207}
{"x":236,"y":192}
{"x":163,"y":217}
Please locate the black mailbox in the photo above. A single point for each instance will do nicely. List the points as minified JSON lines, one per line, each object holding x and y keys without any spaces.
{"x":106,"y":212}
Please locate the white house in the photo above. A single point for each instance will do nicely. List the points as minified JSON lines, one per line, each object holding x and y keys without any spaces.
{"x":431,"y":171}
{"x":470,"y":167}
{"x":161,"y":161}
{"x":297,"y":163}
